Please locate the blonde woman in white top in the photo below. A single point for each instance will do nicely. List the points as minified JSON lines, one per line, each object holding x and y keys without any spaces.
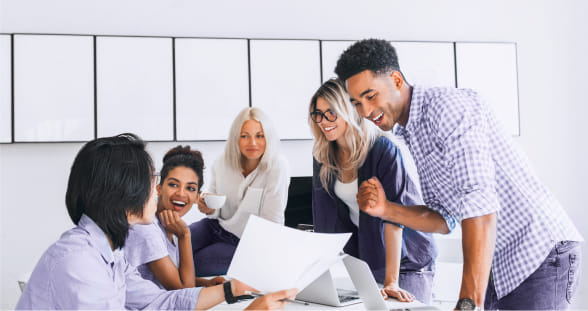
{"x":255,"y":179}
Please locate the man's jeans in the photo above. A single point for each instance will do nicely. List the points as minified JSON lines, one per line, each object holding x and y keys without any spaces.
{"x":418,"y":283}
{"x":550,"y":287}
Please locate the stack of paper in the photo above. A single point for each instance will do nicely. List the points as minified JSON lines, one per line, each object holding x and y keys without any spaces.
{"x":272,"y":257}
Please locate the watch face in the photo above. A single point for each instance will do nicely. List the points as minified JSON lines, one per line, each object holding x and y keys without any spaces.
{"x":465,"y":304}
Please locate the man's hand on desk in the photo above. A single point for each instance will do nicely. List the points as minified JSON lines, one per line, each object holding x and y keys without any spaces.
{"x":273,"y":301}
{"x":393,"y":290}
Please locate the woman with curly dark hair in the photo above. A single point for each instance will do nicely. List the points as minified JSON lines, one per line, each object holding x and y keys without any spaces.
{"x":162,"y":251}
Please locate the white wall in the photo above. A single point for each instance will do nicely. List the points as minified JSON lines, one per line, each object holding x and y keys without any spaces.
{"x":551,"y":38}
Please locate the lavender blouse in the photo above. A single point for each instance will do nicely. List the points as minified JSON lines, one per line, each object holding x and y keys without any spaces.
{"x":80,"y":271}
{"x":147,"y":243}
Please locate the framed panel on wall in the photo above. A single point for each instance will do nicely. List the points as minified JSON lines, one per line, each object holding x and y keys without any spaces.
{"x":5,"y":89}
{"x":427,"y":63}
{"x":331,"y":50}
{"x":53,"y":88}
{"x":284,"y":76}
{"x":212,"y":86}
{"x":491,"y":70}
{"x":134,"y":81}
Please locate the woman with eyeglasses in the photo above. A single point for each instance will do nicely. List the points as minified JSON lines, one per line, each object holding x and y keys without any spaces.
{"x":111,"y":187}
{"x":254,"y":177}
{"x":348,"y":150}
{"x":162,"y":250}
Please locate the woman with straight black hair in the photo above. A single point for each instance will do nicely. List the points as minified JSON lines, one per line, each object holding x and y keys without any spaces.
{"x":111,"y":186}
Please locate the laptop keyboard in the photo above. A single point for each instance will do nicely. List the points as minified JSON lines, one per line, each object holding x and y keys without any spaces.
{"x":344,"y":299}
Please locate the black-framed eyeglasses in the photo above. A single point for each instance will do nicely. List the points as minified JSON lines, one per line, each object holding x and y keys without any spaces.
{"x":317,"y":116}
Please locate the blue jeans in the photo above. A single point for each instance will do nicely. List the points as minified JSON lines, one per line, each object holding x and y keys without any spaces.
{"x":550,"y":287}
{"x":212,"y":247}
{"x":418,"y":283}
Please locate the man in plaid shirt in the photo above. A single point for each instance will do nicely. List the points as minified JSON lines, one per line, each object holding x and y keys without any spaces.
{"x":521,"y":251}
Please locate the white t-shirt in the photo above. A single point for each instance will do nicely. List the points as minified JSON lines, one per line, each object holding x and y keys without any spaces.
{"x":348,"y":194}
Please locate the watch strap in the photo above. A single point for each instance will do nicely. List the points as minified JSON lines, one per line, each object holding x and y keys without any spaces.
{"x":229,"y":293}
{"x":466,"y":304}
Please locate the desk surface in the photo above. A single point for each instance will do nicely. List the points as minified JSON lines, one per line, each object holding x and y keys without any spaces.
{"x":393,"y":304}
{"x":343,"y":281}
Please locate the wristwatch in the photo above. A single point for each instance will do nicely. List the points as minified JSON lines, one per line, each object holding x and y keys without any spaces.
{"x":466,"y":304}
{"x":229,"y":293}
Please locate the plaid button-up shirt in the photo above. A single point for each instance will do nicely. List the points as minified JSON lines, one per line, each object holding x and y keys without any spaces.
{"x":468,"y":167}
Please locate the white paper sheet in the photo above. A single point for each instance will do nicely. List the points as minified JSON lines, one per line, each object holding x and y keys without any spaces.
{"x":272,"y":257}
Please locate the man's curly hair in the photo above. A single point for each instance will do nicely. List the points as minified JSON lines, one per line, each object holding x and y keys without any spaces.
{"x":376,"y":55}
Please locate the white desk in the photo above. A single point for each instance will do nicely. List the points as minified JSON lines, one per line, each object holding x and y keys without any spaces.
{"x":343,"y":281}
{"x":392,"y":303}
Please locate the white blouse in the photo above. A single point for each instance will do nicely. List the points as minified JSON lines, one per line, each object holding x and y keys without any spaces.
{"x":348,"y":194}
{"x":262,"y":194}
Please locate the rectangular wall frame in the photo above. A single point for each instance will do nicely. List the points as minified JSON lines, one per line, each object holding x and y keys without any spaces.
{"x":5,"y":89}
{"x":212,"y":86}
{"x":53,"y":88}
{"x":134,"y":77}
{"x":62,"y":88}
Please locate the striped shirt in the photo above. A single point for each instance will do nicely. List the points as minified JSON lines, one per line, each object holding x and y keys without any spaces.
{"x":468,"y":167}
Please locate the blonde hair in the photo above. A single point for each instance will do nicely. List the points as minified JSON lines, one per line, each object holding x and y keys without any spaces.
{"x":233,"y":154}
{"x":360,"y":134}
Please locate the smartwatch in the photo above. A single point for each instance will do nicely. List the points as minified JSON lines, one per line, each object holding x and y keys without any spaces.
{"x":466,"y":304}
{"x":229,"y":293}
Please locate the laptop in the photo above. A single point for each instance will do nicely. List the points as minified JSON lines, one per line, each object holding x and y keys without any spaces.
{"x":369,"y":291}
{"x":323,"y":291}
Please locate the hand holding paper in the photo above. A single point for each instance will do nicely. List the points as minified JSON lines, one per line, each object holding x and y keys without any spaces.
{"x":272,"y":257}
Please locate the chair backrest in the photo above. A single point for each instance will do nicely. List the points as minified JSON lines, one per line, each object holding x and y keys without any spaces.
{"x":299,"y":205}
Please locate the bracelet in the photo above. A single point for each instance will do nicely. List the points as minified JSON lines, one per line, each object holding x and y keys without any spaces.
{"x":229,"y":293}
